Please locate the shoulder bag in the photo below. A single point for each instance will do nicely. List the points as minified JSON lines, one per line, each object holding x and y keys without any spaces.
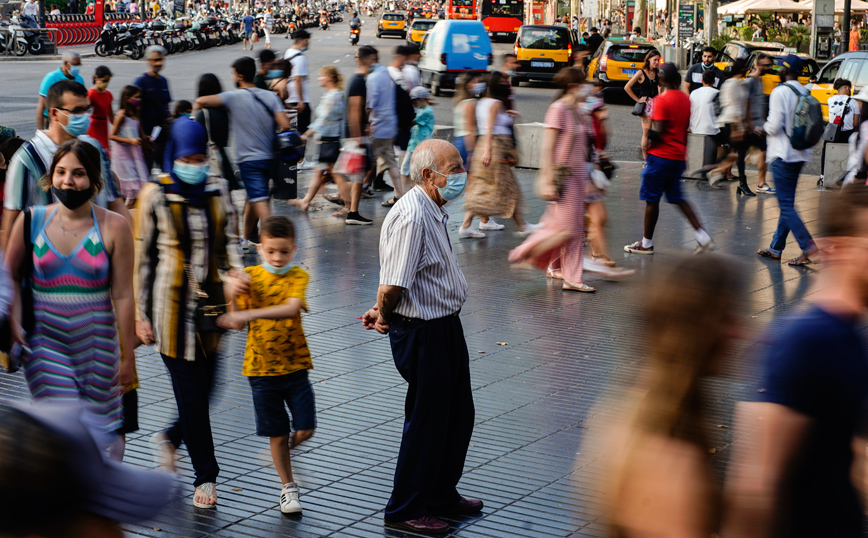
{"x":564,"y":171}
{"x":832,"y":131}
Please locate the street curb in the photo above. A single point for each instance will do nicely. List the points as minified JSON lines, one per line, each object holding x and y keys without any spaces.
{"x":40,"y":58}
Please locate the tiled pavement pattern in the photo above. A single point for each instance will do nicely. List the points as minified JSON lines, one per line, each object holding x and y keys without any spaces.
{"x":535,"y":396}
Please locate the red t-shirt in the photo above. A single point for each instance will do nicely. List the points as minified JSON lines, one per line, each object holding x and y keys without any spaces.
{"x":672,"y":109}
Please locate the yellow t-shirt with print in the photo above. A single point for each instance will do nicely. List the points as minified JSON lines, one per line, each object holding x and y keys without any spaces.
{"x":275,"y":346}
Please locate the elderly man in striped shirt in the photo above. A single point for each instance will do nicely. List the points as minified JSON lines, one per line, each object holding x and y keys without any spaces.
{"x":420,"y":295}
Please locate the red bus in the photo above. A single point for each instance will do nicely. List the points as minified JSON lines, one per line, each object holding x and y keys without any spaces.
{"x":461,"y":9}
{"x":502,"y":18}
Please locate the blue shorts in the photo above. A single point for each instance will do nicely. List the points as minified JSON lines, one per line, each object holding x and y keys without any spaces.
{"x":662,"y":176}
{"x":256,"y":175}
{"x":272,"y":395}
{"x":248,"y":35}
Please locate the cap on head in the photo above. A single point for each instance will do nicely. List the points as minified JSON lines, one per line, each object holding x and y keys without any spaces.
{"x":668,"y":70}
{"x":420,"y":92}
{"x":790,"y":61}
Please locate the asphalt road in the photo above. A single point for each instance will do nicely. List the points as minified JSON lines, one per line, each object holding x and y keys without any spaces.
{"x":19,"y":84}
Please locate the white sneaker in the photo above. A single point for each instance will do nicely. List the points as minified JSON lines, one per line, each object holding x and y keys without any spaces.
{"x":528,"y":229}
{"x":470,"y":232}
{"x":490,"y":225}
{"x":306,"y":165}
{"x":289,"y":499}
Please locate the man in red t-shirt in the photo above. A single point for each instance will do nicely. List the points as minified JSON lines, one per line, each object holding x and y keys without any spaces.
{"x":666,"y":160}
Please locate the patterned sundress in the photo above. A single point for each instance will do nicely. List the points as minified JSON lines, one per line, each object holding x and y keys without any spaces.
{"x":128,"y":161}
{"x":74,"y":343}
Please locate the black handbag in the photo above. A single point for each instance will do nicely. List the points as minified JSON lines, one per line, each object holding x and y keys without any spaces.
{"x":329,"y":150}
{"x":638,"y":109}
{"x":210,"y":303}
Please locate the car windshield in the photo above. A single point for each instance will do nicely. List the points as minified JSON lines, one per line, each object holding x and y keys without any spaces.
{"x":629,"y":53}
{"x":424,"y":25}
{"x":393,"y":17}
{"x":544,"y":38}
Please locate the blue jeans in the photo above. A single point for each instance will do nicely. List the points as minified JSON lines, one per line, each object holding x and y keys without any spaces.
{"x":786,"y":177}
{"x":256,"y":175}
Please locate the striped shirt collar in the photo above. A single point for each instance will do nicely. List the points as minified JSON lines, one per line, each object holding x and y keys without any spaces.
{"x":431,"y":206}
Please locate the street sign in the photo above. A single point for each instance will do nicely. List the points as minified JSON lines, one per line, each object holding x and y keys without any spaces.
{"x":824,"y":13}
{"x":590,"y":9}
{"x":686,"y":20}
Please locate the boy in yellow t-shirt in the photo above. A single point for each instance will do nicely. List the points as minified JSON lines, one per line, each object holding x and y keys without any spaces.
{"x":277,"y":357}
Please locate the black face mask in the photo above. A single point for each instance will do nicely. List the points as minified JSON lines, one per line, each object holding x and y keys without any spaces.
{"x":71,"y":198}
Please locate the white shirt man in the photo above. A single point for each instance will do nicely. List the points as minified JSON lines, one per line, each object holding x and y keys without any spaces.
{"x":703,"y":119}
{"x":31,"y":8}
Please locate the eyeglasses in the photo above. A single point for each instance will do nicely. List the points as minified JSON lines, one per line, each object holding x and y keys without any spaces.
{"x":79,"y":110}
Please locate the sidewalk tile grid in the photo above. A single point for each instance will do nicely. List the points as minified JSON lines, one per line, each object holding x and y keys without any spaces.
{"x":537,"y":397}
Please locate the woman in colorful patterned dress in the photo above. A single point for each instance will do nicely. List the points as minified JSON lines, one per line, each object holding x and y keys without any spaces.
{"x":83,"y":313}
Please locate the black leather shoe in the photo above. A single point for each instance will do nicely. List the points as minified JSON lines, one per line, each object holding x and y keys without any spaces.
{"x":422,"y":525}
{"x":464,"y":506}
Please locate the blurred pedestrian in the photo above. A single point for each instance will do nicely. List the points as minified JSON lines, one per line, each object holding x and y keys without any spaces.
{"x":297,"y":87}
{"x":647,"y":81}
{"x":70,"y":69}
{"x":423,"y":126}
{"x":467,"y":91}
{"x":155,"y":105}
{"x":45,"y":445}
{"x":103,"y":114}
{"x":73,"y":353}
{"x":756,"y":112}
{"x":731,"y":121}
{"x":803,"y":472}
{"x":786,"y":163}
{"x":667,"y":156}
{"x":186,"y":236}
{"x":216,"y":123}
{"x":492,"y":189}
{"x":659,"y":480}
{"x":421,"y":293}
{"x":127,"y":140}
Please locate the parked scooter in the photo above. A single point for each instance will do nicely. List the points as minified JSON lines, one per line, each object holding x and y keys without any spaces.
{"x":120,"y":40}
{"x":35,"y":43}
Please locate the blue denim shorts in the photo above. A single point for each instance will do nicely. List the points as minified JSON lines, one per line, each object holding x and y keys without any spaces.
{"x":662,"y":176}
{"x":273,"y":394}
{"x":256,"y":175}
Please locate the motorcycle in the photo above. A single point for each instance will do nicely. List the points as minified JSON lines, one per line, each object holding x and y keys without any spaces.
{"x":354,"y":35}
{"x":120,"y":40}
{"x":35,"y":44}
{"x":324,"y":23}
{"x":19,"y":45}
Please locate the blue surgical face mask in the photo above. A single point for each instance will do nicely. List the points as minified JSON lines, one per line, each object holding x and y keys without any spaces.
{"x":277,"y":270}
{"x":274,"y":73}
{"x":191,"y":174}
{"x":74,"y":70}
{"x":454,"y":185}
{"x":77,"y":124}
{"x":304,"y":48}
{"x":477,"y":88}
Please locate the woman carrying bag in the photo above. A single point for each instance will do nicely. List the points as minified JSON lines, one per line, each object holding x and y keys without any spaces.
{"x":186,"y":246}
{"x":646,"y":80}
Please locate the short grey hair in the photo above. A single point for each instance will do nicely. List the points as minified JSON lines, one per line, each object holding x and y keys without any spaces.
{"x":70,"y":56}
{"x":422,"y":157}
{"x":154,"y":49}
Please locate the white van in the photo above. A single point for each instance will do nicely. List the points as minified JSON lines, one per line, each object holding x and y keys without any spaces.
{"x":453,"y":47}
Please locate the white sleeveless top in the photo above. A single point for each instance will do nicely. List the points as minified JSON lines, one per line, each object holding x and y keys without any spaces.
{"x":502,"y":124}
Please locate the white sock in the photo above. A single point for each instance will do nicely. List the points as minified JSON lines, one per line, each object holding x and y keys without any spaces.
{"x":702,"y":237}
{"x":289,"y":485}
{"x":647,"y":243}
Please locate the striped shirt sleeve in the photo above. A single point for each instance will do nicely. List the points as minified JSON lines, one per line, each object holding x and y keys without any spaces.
{"x":401,"y":252}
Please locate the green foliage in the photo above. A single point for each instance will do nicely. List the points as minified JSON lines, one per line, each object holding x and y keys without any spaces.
{"x":720,"y":41}
{"x":863,"y":34}
{"x":747,"y":33}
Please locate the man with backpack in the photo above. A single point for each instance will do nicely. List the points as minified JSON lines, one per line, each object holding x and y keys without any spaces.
{"x":792,"y":129}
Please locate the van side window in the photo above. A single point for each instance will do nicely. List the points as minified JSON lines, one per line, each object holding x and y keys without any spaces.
{"x":851,"y":67}
{"x":424,"y":42}
{"x":861,"y":79}
{"x":830,"y":73}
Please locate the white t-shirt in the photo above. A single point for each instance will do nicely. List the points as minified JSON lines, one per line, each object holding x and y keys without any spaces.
{"x":703,"y":120}
{"x":836,"y":108}
{"x":32,"y":9}
{"x":398,"y":76}
{"x":299,"y":69}
{"x":411,"y":76}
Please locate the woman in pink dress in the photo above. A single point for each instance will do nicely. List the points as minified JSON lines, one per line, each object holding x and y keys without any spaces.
{"x":558,"y":246}
{"x":128,"y":158}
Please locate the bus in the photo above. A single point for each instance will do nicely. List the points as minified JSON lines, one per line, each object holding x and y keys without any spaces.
{"x":461,"y":9}
{"x":502,"y":18}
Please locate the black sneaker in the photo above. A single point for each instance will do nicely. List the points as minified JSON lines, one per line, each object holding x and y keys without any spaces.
{"x":368,"y":192}
{"x":380,"y":184}
{"x":355,"y":218}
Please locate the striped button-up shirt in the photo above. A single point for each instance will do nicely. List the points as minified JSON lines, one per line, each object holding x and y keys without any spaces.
{"x":170,"y":233}
{"x":415,"y":254}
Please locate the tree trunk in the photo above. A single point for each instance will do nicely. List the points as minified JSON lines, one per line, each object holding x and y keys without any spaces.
{"x":639,"y":16}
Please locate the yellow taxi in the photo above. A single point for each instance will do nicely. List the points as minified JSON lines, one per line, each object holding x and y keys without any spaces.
{"x":542,"y":51}
{"x":772,"y":79}
{"x":852,"y":66}
{"x":418,"y":30}
{"x":743,"y":49}
{"x":616,"y":61}
{"x":392,"y":24}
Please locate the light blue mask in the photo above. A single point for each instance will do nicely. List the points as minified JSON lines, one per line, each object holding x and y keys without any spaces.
{"x":74,"y":70}
{"x":277,"y":270}
{"x":191,"y":174}
{"x":274,"y":73}
{"x":454,"y":185}
{"x":77,"y":124}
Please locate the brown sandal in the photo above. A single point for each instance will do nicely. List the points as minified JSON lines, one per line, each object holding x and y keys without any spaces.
{"x":766,"y":253}
{"x":801,"y":261}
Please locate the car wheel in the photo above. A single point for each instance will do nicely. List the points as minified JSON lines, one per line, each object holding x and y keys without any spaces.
{"x":378,"y":35}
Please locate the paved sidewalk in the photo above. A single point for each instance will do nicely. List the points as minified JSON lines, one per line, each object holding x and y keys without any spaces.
{"x":540,"y":360}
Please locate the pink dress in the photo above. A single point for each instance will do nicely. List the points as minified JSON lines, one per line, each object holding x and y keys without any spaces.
{"x":128,"y":161}
{"x":564,"y":220}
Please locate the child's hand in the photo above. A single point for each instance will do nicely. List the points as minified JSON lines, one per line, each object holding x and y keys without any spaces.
{"x":237,"y":283}
{"x":233,"y":320}
{"x":136,"y":141}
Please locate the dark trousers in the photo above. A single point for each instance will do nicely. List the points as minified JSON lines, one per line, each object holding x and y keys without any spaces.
{"x":750,"y":139}
{"x":432,"y":357}
{"x":192,"y":382}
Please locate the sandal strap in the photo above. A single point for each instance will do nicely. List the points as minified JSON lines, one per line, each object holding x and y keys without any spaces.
{"x":207,"y":488}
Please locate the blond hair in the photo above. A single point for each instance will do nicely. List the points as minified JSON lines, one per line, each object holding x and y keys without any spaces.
{"x":333,"y":73}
